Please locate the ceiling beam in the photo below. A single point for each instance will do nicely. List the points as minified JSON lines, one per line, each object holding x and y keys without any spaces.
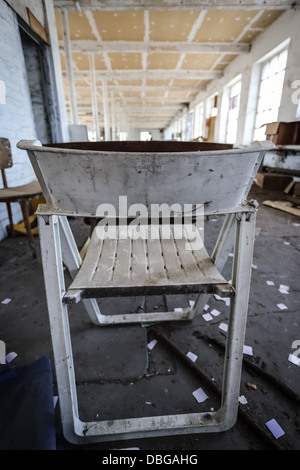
{"x":154,"y":74}
{"x":145,"y":88}
{"x":86,"y":46}
{"x":175,"y":5}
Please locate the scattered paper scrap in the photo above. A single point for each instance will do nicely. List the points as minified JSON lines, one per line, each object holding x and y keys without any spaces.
{"x":10,"y":357}
{"x":178,"y":309}
{"x":270,"y":283}
{"x":207,"y":316}
{"x":243,"y":400}
{"x":224,"y":299}
{"x":55,"y":400}
{"x":254,"y":266}
{"x":286,"y":243}
{"x":282,"y":306}
{"x":6,"y":301}
{"x":284,"y":289}
{"x":191,"y":303}
{"x":200,"y":395}
{"x":274,"y":428}
{"x":215,"y":312}
{"x":151,"y":344}
{"x":192,"y":356}
{"x":206,"y":307}
{"x":248,"y":350}
{"x":294,"y":359}
{"x":223,"y":326}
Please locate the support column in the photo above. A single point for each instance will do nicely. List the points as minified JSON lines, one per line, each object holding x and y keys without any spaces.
{"x":69,"y":64}
{"x":106,"y":111}
{"x":94,"y":95}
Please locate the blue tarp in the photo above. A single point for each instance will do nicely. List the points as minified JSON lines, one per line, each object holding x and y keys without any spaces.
{"x":26,"y":407}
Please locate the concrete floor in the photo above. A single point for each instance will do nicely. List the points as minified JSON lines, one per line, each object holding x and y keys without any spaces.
{"x":133,"y":380}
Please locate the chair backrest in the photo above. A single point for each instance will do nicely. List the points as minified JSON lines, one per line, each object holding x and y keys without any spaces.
{"x":5,"y":158}
{"x":80,"y":177}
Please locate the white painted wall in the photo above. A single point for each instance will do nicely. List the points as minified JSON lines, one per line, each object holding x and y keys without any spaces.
{"x":16,"y":117}
{"x":286,"y":27}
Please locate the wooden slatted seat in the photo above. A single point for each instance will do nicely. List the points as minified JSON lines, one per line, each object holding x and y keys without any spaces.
{"x":145,"y":266}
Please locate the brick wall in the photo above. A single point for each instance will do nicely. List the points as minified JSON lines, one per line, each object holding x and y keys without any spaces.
{"x":16,"y":116}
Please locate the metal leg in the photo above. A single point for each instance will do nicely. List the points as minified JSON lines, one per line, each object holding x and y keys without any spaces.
{"x":241,"y":278}
{"x":73,"y":262}
{"x":220,"y":254}
{"x":59,"y":323}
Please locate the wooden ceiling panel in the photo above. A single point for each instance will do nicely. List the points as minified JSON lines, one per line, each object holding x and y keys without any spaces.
{"x":163,"y":61}
{"x":120,"y":25}
{"x":171,"y":25}
{"x":80,"y":26}
{"x":267,"y":18}
{"x":199,"y":61}
{"x":224,"y":25}
{"x":81,"y":61}
{"x":122,"y":60}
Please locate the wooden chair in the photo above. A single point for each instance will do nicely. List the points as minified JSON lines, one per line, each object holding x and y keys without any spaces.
{"x":21,"y":194}
{"x":77,"y":180}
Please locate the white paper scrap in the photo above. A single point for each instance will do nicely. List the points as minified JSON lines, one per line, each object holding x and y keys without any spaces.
{"x":294,"y":359}
{"x":200,"y":395}
{"x":192,"y":356}
{"x":270,"y":283}
{"x":10,"y":357}
{"x":151,"y":344}
{"x":284,"y":289}
{"x":286,"y":243}
{"x":191,"y":303}
{"x":206,"y":307}
{"x":207,"y":317}
{"x":223,"y":326}
{"x":243,"y":400}
{"x":282,"y":306}
{"x":215,"y":312}
{"x":248,"y":350}
{"x":178,"y":309}
{"x":6,"y":301}
{"x":275,"y":429}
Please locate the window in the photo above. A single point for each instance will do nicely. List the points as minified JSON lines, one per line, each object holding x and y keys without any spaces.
{"x":233,"y":112}
{"x":198,"y":125}
{"x":123,"y":135}
{"x":270,"y":90}
{"x":145,"y":135}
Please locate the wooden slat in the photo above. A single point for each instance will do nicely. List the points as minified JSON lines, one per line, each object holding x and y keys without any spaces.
{"x":157,"y":272}
{"x":153,"y":262}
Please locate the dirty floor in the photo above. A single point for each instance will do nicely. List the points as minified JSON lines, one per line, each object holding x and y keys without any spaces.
{"x":115,"y":364}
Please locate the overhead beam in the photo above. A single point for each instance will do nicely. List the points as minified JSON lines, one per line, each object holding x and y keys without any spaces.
{"x":146,"y":88}
{"x":175,"y":5}
{"x":155,"y":74}
{"x":86,"y":46}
